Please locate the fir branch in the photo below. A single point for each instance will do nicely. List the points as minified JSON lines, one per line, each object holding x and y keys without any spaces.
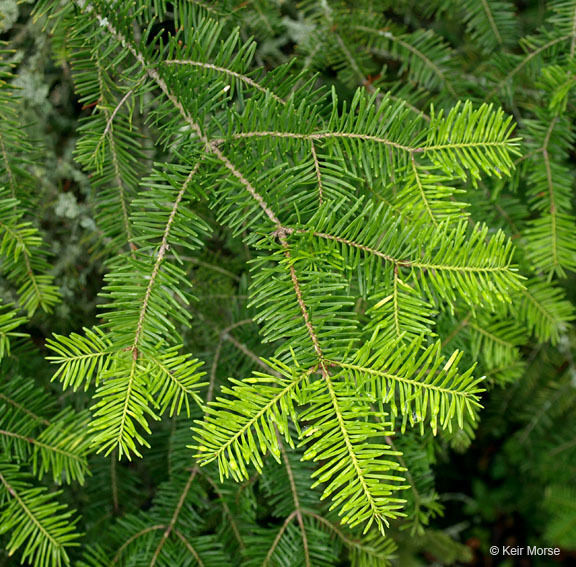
{"x":133,"y":538}
{"x":297,"y":507}
{"x":189,"y":547}
{"x":525,"y":61}
{"x":108,"y":132}
{"x":318,"y":172}
{"x":156,"y":77}
{"x":227,"y":511}
{"x":278,"y":537}
{"x":247,"y":80}
{"x":24,"y":410}
{"x":318,"y":136}
{"x":41,"y":527}
{"x":412,"y":49}
{"x":344,"y":292}
{"x":157,"y":263}
{"x":171,"y":526}
{"x":377,"y":552}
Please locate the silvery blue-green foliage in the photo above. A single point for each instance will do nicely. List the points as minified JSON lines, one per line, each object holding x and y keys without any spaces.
{"x":322,"y":283}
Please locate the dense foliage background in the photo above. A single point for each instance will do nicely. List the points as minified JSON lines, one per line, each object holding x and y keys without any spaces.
{"x":507,"y":479}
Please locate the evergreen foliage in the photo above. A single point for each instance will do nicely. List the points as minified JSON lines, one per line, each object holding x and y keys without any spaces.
{"x":316,"y":274}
